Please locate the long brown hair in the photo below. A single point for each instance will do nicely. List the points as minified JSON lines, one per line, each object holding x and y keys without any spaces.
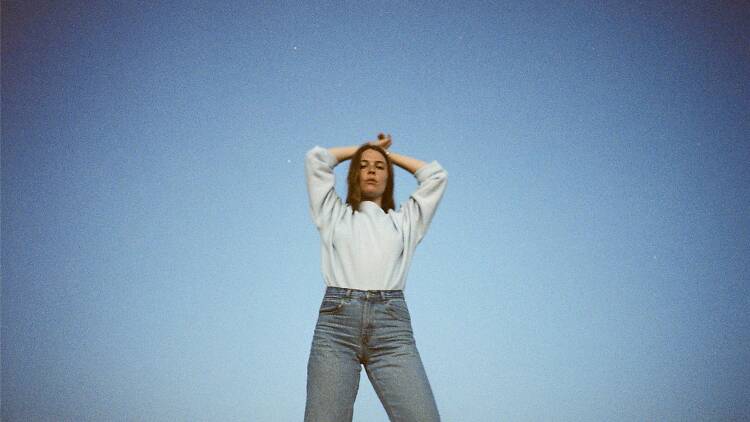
{"x":354,"y":196}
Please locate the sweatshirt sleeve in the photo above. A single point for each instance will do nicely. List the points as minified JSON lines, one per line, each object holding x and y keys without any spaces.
{"x":325,"y":204}
{"x":422,"y":204}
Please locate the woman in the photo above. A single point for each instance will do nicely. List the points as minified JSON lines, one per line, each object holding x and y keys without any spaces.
{"x":366,"y":250}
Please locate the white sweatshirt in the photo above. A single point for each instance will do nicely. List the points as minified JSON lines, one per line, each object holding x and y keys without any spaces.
{"x":370,"y":249}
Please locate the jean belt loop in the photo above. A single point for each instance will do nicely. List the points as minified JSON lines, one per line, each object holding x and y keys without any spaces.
{"x":382,"y":296}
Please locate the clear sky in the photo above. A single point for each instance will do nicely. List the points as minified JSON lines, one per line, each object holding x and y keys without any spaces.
{"x":589,"y":260}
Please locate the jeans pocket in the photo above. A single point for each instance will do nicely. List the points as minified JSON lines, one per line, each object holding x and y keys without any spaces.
{"x":331,"y":306}
{"x":398,"y":309}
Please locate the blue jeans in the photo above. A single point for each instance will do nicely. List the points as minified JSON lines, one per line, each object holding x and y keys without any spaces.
{"x":370,"y":328}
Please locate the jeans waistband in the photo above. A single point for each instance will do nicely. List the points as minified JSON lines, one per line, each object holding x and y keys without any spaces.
{"x":337,"y":292}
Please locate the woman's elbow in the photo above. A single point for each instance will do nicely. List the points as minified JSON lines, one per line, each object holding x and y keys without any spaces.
{"x":442,"y":175}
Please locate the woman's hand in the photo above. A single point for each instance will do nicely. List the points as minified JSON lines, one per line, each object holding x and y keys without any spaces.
{"x":407,"y":163}
{"x":384,"y":141}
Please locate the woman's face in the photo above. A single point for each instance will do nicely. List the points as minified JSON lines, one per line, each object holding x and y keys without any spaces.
{"x":373,"y":174}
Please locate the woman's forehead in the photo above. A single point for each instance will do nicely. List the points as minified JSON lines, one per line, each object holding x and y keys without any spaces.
{"x":372,"y":155}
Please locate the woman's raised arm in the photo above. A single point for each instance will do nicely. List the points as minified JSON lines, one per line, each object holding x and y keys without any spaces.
{"x":343,"y":153}
{"x":407,"y":163}
{"x":420,"y":208}
{"x":325,"y":204}
{"x":412,"y":165}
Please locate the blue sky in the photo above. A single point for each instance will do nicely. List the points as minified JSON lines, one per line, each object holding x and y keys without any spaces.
{"x":588,"y":262}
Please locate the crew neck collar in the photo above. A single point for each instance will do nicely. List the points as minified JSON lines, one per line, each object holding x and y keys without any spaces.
{"x":369,"y":204}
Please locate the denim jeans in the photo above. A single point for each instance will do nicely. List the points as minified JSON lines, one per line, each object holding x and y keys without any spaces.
{"x":370,"y":328}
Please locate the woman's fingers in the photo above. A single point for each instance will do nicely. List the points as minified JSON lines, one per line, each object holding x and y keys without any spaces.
{"x":383,"y":141}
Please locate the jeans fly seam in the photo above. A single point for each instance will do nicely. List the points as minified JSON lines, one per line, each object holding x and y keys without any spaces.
{"x":363,"y":332}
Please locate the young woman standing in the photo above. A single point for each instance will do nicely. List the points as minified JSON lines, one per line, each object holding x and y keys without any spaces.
{"x":366,"y":250}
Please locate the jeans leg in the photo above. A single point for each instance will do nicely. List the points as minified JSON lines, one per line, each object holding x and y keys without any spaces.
{"x":333,"y":368}
{"x":332,"y":385}
{"x":395,"y":369}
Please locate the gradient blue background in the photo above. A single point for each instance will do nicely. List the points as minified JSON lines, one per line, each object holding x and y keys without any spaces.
{"x":589,"y":260}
